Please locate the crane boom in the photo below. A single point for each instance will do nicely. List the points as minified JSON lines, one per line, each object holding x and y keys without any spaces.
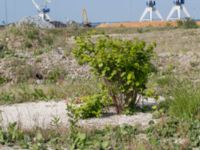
{"x":36,"y":5}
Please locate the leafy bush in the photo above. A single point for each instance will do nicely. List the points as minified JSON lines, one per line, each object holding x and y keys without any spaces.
{"x":187,"y":23}
{"x":186,"y":100}
{"x":122,"y":65}
{"x":91,"y":106}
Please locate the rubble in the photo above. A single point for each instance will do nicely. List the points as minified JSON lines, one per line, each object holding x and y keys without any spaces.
{"x":39,"y":22}
{"x":73,"y":24}
{"x":36,"y":20}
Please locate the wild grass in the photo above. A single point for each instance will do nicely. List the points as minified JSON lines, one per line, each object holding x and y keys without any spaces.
{"x":188,"y":23}
{"x":185,"y":101}
{"x":26,"y":92}
{"x":167,"y":135}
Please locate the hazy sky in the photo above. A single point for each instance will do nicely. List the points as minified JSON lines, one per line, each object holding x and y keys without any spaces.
{"x":98,"y":10}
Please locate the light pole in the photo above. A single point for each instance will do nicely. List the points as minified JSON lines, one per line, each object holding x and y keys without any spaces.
{"x":6,"y":11}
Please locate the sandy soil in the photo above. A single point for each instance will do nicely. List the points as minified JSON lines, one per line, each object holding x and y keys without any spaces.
{"x":41,"y":114}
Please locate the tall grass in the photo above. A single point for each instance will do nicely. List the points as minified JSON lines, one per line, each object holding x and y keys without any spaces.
{"x":186,"y":101}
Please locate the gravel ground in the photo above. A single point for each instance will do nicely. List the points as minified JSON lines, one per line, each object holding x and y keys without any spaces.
{"x":41,"y":114}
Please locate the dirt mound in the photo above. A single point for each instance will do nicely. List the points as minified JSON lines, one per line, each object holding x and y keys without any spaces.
{"x":139,"y":24}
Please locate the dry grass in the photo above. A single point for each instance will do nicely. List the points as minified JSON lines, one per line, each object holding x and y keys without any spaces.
{"x":61,"y":90}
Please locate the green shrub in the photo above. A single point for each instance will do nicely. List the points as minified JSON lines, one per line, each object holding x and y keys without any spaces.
{"x":3,"y":80}
{"x":185,"y":101}
{"x":91,"y":106}
{"x":122,"y":65}
{"x":187,"y":23}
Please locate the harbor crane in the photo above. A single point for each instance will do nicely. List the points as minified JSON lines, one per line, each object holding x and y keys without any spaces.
{"x":178,"y":8}
{"x":85,"y":19}
{"x":43,"y":10}
{"x":149,"y":10}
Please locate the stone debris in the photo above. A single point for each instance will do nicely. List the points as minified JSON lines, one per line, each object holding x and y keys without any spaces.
{"x":73,"y":24}
{"x":36,"y":20}
{"x":39,"y":22}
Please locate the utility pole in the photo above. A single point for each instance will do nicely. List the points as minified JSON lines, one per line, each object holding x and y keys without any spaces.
{"x":6,"y":11}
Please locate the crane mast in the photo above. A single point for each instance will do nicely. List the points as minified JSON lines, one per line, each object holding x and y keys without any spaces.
{"x":85,"y":19}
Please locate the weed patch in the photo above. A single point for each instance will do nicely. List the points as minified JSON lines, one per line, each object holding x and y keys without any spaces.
{"x":185,"y":102}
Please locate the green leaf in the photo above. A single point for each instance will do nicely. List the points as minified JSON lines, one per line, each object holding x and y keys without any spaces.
{"x":81,"y":136}
{"x":105,"y":144}
{"x":100,"y":65}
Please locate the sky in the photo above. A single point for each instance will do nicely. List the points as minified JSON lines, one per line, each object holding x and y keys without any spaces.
{"x":98,"y":10}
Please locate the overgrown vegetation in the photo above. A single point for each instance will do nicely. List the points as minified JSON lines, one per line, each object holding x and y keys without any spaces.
{"x":185,"y":101}
{"x":123,"y":68}
{"x":187,"y":23}
{"x":36,"y":139}
{"x":32,"y":36}
{"x":170,"y":133}
{"x":180,"y":134}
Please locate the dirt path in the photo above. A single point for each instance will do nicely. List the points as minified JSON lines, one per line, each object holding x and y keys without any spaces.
{"x":41,"y":114}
